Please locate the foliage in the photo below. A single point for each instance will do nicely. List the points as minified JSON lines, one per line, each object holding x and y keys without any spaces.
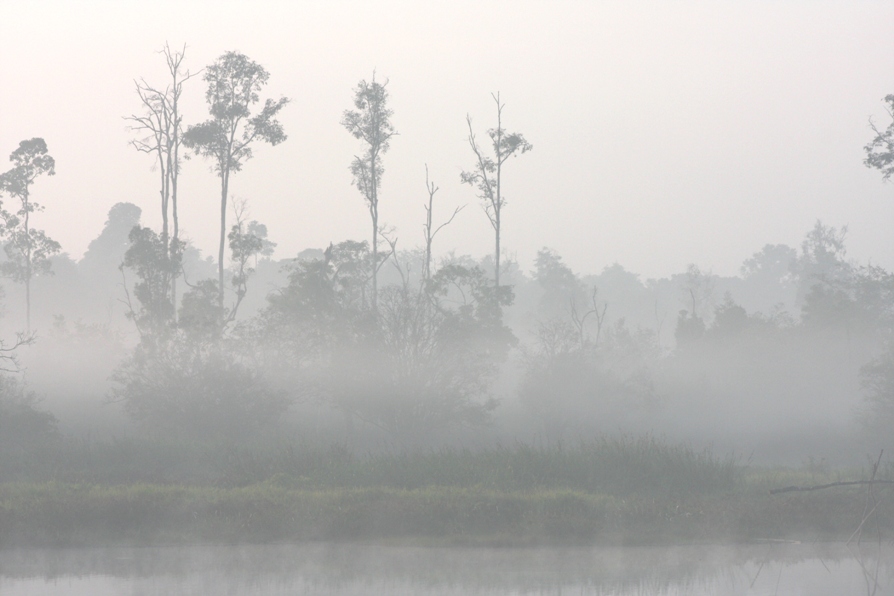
{"x":609,"y":490}
{"x":880,"y":150}
{"x":188,"y":389}
{"x":106,"y":251}
{"x":877,"y":381}
{"x":487,"y":173}
{"x":561,"y":287}
{"x":162,"y":124}
{"x":697,"y":287}
{"x":422,"y":365}
{"x":234,"y":82}
{"x":154,"y":264}
{"x":24,"y":426}
{"x":247,"y":240}
{"x":28,"y":249}
{"x":184,"y":379}
{"x":574,"y":384}
{"x":371,"y":123}
{"x":774,"y":263}
{"x":822,"y":259}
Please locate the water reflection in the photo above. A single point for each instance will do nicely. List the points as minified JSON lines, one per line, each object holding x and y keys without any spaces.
{"x":783,"y":569}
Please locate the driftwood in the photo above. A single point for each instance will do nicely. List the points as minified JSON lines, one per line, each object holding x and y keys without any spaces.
{"x":870,"y":576}
{"x":791,"y":489}
{"x":870,"y":483}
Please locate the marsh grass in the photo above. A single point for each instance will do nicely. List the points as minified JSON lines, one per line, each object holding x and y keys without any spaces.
{"x":617,"y":466}
{"x":610,"y":490}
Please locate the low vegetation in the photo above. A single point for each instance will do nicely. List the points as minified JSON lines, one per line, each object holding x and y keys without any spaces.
{"x":628,"y":491}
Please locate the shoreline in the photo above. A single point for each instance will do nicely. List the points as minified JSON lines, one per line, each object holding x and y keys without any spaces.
{"x":56,"y":514}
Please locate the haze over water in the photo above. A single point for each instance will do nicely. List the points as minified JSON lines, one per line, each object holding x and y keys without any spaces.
{"x":782,"y":569}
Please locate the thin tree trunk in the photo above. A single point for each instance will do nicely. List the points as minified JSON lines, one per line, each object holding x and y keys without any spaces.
{"x":28,"y":303}
{"x":27,"y":266}
{"x":374,"y":210}
{"x":225,"y":180}
{"x":499,"y":195}
{"x":165,"y":193}
{"x":497,"y":253}
{"x":375,"y":264}
{"x":176,"y":236}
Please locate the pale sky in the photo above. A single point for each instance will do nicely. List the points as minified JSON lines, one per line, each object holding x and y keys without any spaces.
{"x":664,"y":133}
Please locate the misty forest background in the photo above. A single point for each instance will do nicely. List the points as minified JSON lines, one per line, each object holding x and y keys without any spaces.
{"x":384,"y":343}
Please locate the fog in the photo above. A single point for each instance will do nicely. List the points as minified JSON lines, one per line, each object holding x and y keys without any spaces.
{"x":595,"y":281}
{"x":358,"y":569}
{"x":782,"y":363}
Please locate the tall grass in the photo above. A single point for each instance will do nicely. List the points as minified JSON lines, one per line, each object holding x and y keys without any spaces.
{"x":609,"y":490}
{"x":613,"y":466}
{"x":619,"y":466}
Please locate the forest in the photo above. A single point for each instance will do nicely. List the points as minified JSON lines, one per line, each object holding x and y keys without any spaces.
{"x":413,"y":388}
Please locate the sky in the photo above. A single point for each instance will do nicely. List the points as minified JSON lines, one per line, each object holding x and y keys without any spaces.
{"x":664,"y":133}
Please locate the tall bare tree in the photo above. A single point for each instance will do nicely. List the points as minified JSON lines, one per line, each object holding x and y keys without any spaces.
{"x":430,"y":233}
{"x":28,"y":250}
{"x":234,"y":82}
{"x":161,"y":125}
{"x":487,"y":173}
{"x":371,"y":123}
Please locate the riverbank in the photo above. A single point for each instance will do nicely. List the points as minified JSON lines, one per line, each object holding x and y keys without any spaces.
{"x":618,"y":491}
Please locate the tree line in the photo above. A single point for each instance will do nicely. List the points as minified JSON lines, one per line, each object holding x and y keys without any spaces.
{"x":420,"y":354}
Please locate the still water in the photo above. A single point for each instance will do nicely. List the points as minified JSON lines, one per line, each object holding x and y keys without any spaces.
{"x":764,"y":569}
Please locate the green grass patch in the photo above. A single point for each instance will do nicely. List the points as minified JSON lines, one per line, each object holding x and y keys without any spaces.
{"x":620,"y":491}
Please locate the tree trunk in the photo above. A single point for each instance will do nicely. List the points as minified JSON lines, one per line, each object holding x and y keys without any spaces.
{"x":175,"y":238}
{"x":374,"y":211}
{"x":497,"y":209}
{"x":225,"y":181}
{"x":497,"y":254}
{"x":375,"y":263}
{"x":27,"y":267}
{"x":28,"y":303}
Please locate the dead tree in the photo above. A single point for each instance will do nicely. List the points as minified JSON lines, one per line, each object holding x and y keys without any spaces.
{"x":161,"y":125}
{"x":581,"y":320}
{"x":427,"y":226}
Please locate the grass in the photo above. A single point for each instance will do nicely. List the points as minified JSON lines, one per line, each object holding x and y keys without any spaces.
{"x":630,"y":491}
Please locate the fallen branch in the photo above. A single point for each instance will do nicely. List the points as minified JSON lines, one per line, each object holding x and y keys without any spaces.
{"x":791,"y":489}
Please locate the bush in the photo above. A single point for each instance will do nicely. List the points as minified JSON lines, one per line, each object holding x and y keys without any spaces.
{"x":24,"y":427}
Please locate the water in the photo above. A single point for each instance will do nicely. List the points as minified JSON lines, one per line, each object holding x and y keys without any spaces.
{"x":355,"y":569}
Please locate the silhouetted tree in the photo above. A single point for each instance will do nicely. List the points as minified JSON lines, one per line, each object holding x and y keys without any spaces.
{"x":880,"y":151}
{"x":487,"y":173}
{"x":877,"y":382}
{"x":690,"y":328}
{"x":29,"y":250}
{"x":773,"y":264}
{"x":370,"y":122}
{"x":562,"y":290}
{"x":184,"y":379}
{"x":428,"y":227}
{"x":822,"y":260}
{"x":247,"y":241}
{"x":193,"y":389}
{"x":24,"y":424}
{"x":698,"y":291}
{"x":152,"y":263}
{"x":424,"y":363}
{"x":162,"y":124}
{"x":106,"y":251}
{"x":571,"y":382}
{"x":233,"y":85}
